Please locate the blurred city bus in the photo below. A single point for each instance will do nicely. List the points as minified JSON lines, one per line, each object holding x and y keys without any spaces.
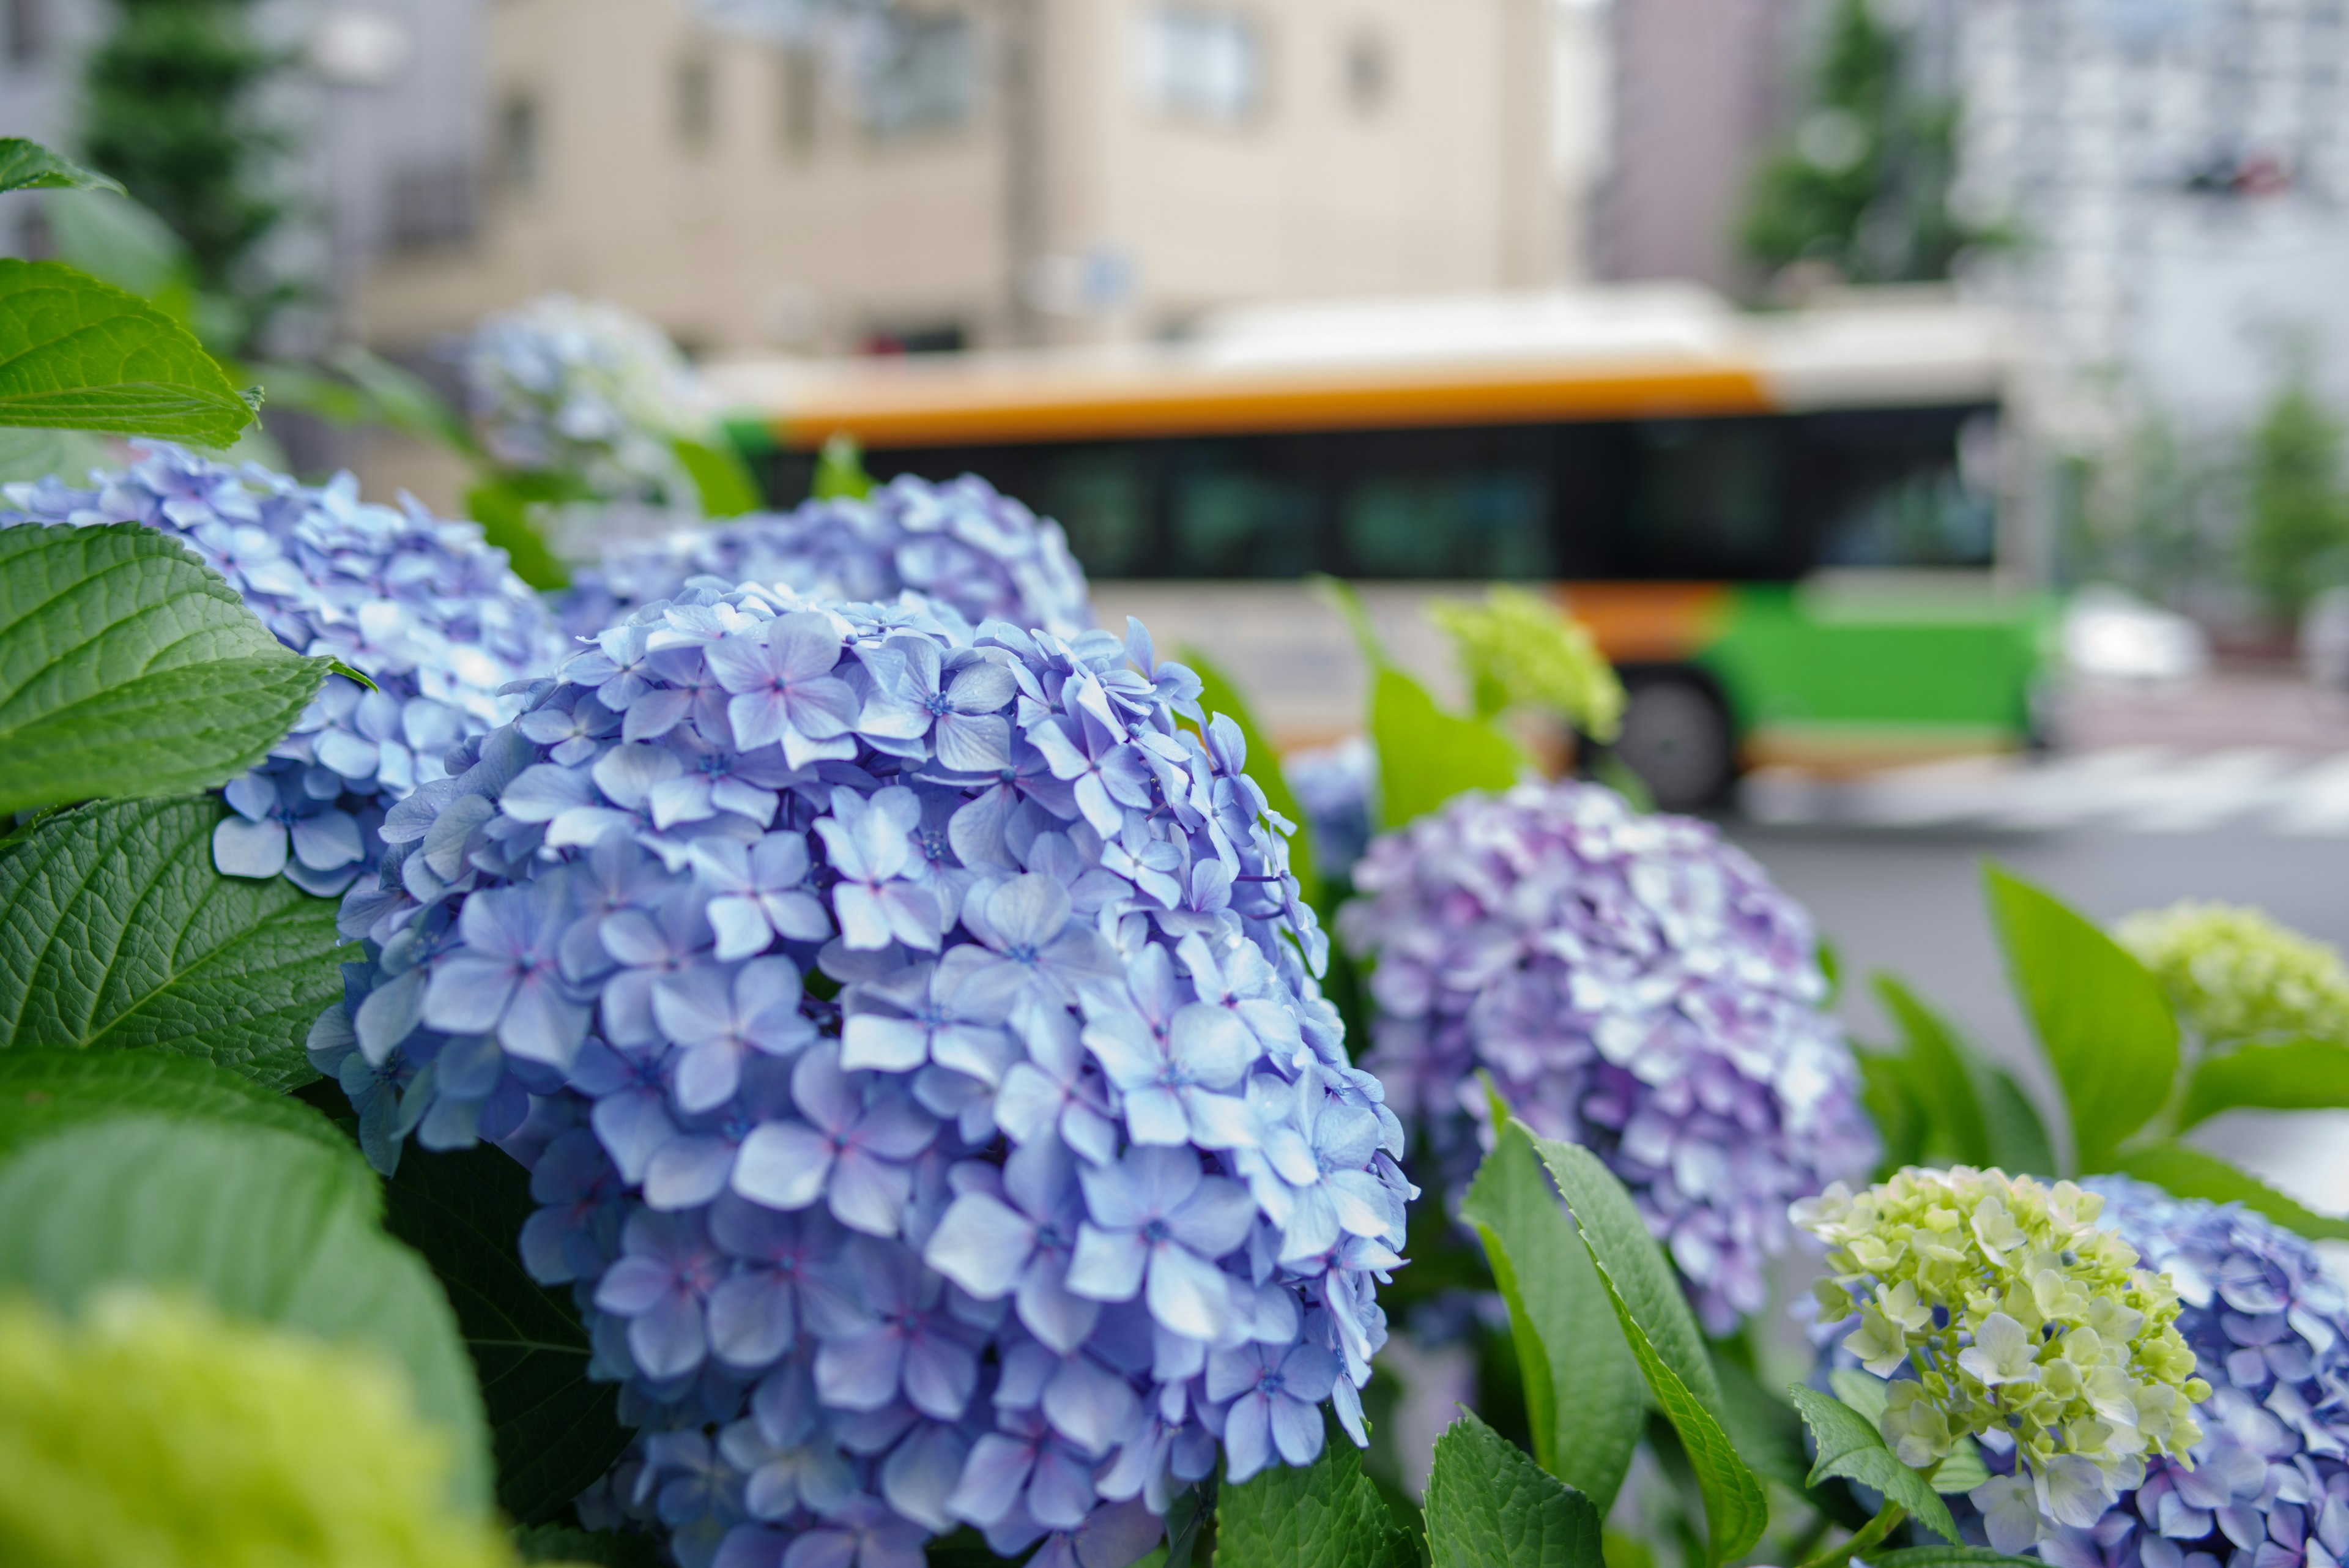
{"x":1792,"y":533}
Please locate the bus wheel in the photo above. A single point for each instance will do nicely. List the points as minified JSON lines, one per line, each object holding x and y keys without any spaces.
{"x":1677,"y":738}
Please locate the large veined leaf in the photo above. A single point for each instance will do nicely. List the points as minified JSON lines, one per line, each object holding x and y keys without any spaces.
{"x":1974,"y":1112}
{"x":1219,"y":695}
{"x":1488,"y":1504}
{"x":1327,"y":1514}
{"x":1585,"y":1400}
{"x":44,"y":1091}
{"x":1426,"y":755}
{"x":1947,"y":1557}
{"x":267,"y":1224}
{"x":502,"y":508}
{"x":1848,"y":1446}
{"x":78,"y":354}
{"x":128,"y":668}
{"x":2290,"y":1075}
{"x":721,"y":477}
{"x":115,"y":930}
{"x":2108,"y":1032}
{"x":29,"y":166}
{"x":1663,"y":1337}
{"x":554,"y":1432}
{"x":2190,"y":1173}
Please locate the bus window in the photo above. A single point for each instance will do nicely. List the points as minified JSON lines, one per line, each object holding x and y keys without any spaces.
{"x":1704,"y":501}
{"x":1101,"y":497}
{"x":1470,"y":523}
{"x":1893,"y":488}
{"x":1232,"y":512}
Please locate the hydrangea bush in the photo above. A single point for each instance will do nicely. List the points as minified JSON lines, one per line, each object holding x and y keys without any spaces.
{"x":417,"y":603}
{"x":2268,"y":1485}
{"x":913,"y":1037}
{"x":1629,"y":983}
{"x":587,"y":390}
{"x":2001,"y":1313}
{"x":962,"y":544}
{"x":2235,"y":974}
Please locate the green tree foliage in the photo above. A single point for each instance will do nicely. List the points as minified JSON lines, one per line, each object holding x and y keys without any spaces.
{"x":171,"y":109}
{"x":1862,"y":183}
{"x":2299,"y":513}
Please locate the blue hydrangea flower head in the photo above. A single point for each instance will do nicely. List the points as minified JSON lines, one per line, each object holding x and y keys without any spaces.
{"x":912,"y":1032}
{"x":589,"y":390}
{"x":960,"y":545}
{"x":2268,"y":1320}
{"x":417,"y":603}
{"x":1631,"y":982}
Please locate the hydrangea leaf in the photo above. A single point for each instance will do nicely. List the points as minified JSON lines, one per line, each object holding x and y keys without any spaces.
{"x":720,"y":475}
{"x":503,"y":512}
{"x":2190,"y":1173}
{"x":2290,"y":1075}
{"x":1488,"y":1504}
{"x":607,"y":1548}
{"x":41,"y":1090}
{"x":1327,"y":1514}
{"x":78,"y":354}
{"x":29,"y":166}
{"x":267,"y":1224}
{"x":1888,"y":1090}
{"x":1946,"y":1557}
{"x":2108,"y":1032}
{"x":115,"y":930}
{"x":127,"y":667}
{"x":1217,"y":694}
{"x":1849,"y":1446}
{"x":1766,"y":1431}
{"x":1974,"y":1113}
{"x":1584,"y":1397}
{"x":554,"y":1432}
{"x":1425,"y":755}
{"x":1663,"y":1337}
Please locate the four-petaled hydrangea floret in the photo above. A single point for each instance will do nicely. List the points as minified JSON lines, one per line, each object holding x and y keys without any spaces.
{"x":418,"y":604}
{"x":959,"y":544}
{"x":1629,"y":983}
{"x":913,"y":1037}
{"x":590,"y":391}
{"x":2267,"y":1320}
{"x":1997,"y":1307}
{"x":2237,"y":975}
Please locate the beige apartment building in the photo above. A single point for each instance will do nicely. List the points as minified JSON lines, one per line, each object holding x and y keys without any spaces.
{"x":993,"y":172}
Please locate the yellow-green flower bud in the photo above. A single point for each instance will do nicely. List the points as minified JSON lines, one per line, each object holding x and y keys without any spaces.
{"x":1519,"y":648}
{"x":2236,"y":975}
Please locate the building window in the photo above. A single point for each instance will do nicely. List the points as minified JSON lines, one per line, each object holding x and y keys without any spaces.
{"x":1366,"y":71}
{"x":519,"y":154}
{"x":24,"y":30}
{"x":696,"y":106}
{"x":799,"y":82}
{"x":1203,"y":65}
{"x":926,"y":80}
{"x":432,"y":205}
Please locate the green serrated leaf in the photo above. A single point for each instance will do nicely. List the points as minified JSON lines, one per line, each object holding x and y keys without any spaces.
{"x":2019,"y":1144}
{"x":1489,"y":1506}
{"x":2290,"y":1075}
{"x":1585,"y":1400}
{"x":115,"y":930}
{"x":1765,"y":1429}
{"x":1888,"y":1093}
{"x":503,"y":512}
{"x":1862,"y":1391}
{"x":1955,"y":1133}
{"x":1426,"y":756}
{"x":721,"y":477}
{"x":127,"y":667}
{"x":1848,"y":1446}
{"x":29,"y":166}
{"x":44,"y":1091}
{"x":553,"y":1431}
{"x":359,"y":677}
{"x":1963,"y":1470}
{"x":2107,"y":1030}
{"x":261,"y":1221}
{"x":2190,"y":1173}
{"x":1219,"y":695}
{"x":1945,"y":1557}
{"x":1663,"y":1337}
{"x":78,"y":354}
{"x":1326,"y":1515}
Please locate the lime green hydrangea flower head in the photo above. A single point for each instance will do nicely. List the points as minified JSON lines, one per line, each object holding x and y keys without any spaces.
{"x":153,"y":1434}
{"x":1997,"y":1307}
{"x":2236,"y":975}
{"x":1519,"y":650}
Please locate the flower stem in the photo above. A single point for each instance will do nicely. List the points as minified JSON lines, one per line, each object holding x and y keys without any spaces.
{"x":1873,"y":1532}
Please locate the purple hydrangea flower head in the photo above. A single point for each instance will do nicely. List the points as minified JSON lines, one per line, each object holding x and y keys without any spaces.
{"x":1631,"y":982}
{"x":960,"y":545}
{"x":418,"y":604}
{"x":937,"y":1119}
{"x":2268,"y":1486}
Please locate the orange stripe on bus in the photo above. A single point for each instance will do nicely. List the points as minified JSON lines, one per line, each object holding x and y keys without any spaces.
{"x":920,"y":412}
{"x":1642,"y":623}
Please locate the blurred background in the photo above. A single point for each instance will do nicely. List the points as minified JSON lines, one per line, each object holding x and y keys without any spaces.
{"x":1934,"y":409}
